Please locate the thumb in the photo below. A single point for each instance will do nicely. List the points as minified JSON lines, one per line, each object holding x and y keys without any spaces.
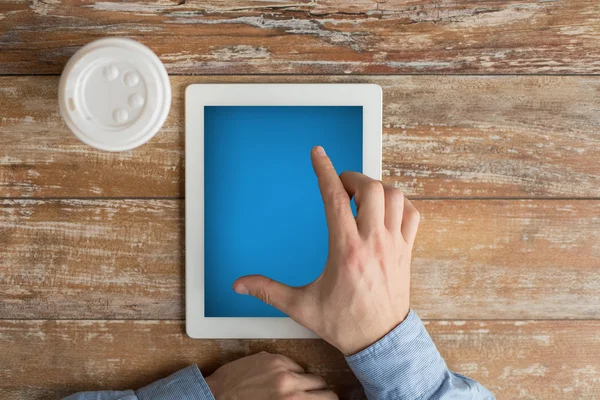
{"x":269,"y":291}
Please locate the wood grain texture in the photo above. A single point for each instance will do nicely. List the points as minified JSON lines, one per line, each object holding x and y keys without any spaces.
{"x":514,"y":359}
{"x":92,"y":259}
{"x":124,"y":259}
{"x":313,"y":36}
{"x":91,"y":289}
{"x":443,"y":137}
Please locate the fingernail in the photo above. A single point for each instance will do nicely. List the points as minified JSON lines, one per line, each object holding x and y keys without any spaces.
{"x":241,"y":289}
{"x":319,"y":151}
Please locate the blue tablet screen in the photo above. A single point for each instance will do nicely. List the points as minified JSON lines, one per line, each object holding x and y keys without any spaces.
{"x":263,"y":210}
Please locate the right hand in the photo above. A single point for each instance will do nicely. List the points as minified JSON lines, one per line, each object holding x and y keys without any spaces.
{"x":363,"y":292}
{"x":266,"y":376}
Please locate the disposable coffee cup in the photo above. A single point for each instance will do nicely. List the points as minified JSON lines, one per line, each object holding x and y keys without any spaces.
{"x":114,"y":94}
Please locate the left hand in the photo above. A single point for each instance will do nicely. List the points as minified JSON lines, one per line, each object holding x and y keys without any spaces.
{"x":266,"y":376}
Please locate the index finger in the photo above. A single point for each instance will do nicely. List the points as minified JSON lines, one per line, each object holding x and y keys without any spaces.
{"x":336,"y":199}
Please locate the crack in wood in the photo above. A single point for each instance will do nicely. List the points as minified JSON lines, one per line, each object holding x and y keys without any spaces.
{"x":478,"y":10}
{"x":269,"y":7}
{"x":291,"y":26}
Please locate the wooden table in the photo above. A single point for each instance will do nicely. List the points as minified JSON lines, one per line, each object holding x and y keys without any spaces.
{"x":491,"y":124}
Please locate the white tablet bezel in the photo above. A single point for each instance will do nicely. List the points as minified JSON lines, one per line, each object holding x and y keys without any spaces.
{"x":197,"y":96}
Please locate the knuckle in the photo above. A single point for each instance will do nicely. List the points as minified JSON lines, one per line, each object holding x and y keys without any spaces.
{"x":273,"y":362}
{"x":414,"y":214}
{"x":354,"y":252}
{"x":280,"y":360}
{"x":380,"y":249}
{"x":284,"y":379}
{"x":326,"y":167}
{"x":374,"y":187}
{"x":263,"y":295}
{"x":395,"y":196}
{"x":340,"y":200}
{"x":379,"y":244}
{"x":380,"y":238}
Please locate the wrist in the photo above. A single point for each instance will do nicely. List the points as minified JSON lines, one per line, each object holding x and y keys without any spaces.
{"x":406,"y":351}
{"x":352,"y":345}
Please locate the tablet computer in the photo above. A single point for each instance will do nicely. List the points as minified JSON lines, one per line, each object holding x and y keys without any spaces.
{"x":252,"y":201}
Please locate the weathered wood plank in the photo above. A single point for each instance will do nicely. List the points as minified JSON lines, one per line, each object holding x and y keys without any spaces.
{"x":123,"y":259}
{"x":305,"y":36}
{"x":514,"y":359}
{"x":443,"y":137}
{"x":98,"y":259}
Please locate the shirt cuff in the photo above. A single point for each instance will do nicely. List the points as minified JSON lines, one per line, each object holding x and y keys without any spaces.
{"x":404,"y":364}
{"x":187,"y":384}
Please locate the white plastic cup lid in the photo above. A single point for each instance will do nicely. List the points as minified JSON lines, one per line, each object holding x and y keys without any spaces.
{"x":114,"y":94}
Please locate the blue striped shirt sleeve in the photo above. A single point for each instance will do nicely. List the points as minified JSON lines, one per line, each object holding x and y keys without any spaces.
{"x":405,"y":364}
{"x":187,"y":384}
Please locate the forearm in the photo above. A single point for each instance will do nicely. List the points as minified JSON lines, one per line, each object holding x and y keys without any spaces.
{"x":405,"y":364}
{"x":187,"y":384}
